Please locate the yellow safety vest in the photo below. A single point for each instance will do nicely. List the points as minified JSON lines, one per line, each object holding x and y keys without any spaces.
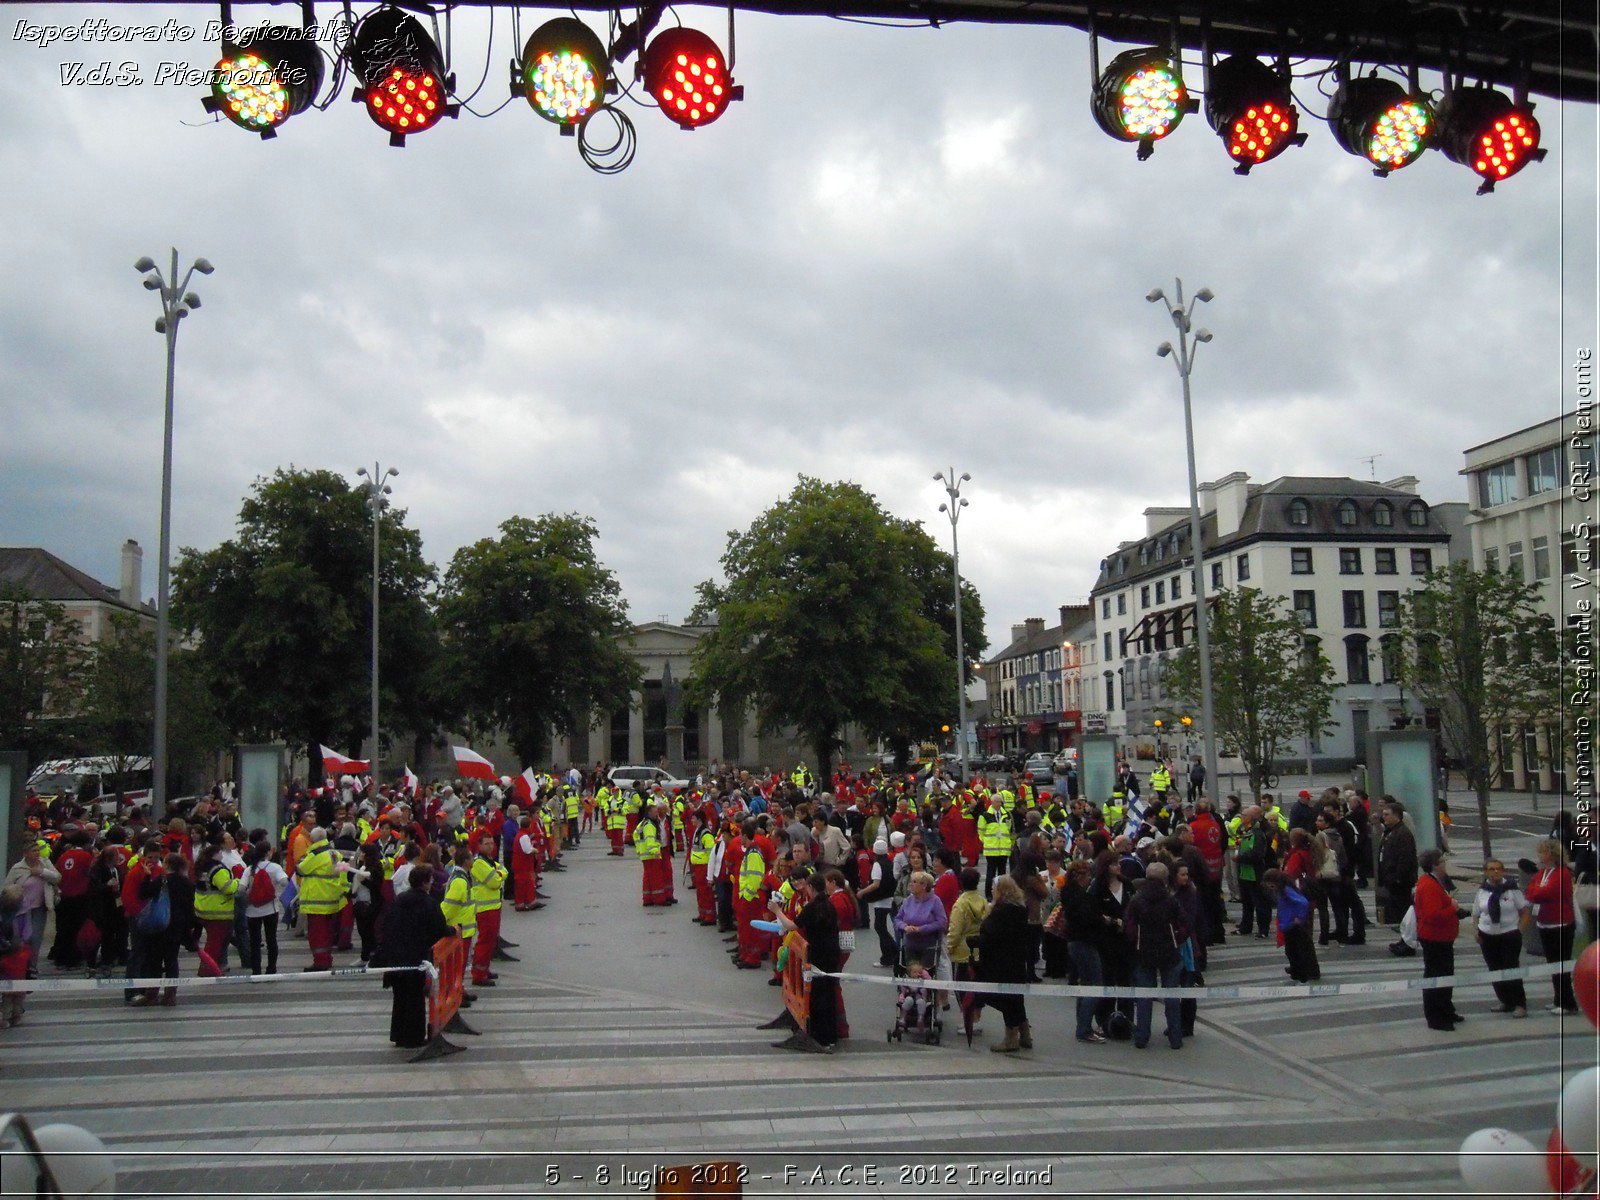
{"x":574,"y":805}
{"x":996,"y":834}
{"x":1161,"y":780}
{"x":752,"y":870}
{"x":700,"y":853}
{"x":488,"y":884}
{"x":646,"y":840}
{"x":320,"y":883}
{"x":457,"y":904}
{"x":213,"y":898}
{"x":1008,"y":800}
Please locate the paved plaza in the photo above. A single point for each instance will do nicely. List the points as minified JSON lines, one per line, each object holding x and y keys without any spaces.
{"x":623,"y":1040}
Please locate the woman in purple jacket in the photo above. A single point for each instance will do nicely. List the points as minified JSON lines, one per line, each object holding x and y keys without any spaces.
{"x":921,"y":922}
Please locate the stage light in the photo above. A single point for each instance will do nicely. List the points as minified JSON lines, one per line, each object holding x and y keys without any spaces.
{"x":1380,"y":121}
{"x":565,"y":72}
{"x":689,"y":77}
{"x":259,"y":84}
{"x":1489,"y":132}
{"x":402,"y":73}
{"x":1141,"y":98}
{"x":1250,"y":107}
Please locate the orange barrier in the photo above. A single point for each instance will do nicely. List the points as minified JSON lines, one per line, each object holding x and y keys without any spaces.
{"x":796,"y":1013}
{"x":446,"y":987}
{"x":702,"y":1179}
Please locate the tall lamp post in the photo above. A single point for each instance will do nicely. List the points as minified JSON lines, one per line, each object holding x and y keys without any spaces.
{"x":1189,"y":339}
{"x":177,"y":302}
{"x":376,"y":488}
{"x":952,"y":508}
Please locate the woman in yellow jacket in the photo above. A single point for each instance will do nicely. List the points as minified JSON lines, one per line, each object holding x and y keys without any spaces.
{"x":215,"y":887}
{"x":460,"y":913}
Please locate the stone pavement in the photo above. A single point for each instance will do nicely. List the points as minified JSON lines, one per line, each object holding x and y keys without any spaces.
{"x":623,"y":1040}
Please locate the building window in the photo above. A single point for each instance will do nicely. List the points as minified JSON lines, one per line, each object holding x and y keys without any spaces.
{"x":1417,"y":515}
{"x":1108,"y":647}
{"x":1383,"y":514}
{"x":1544,"y":471}
{"x":1216,"y":575}
{"x":1491,"y":558}
{"x":1388,"y":610}
{"x":1300,"y":560}
{"x":1421,"y":562}
{"x":1497,"y":484}
{"x":1350,"y":560}
{"x":1541,"y":558}
{"x":1299,"y":512}
{"x":1383,"y":560}
{"x":1305,"y":607}
{"x":1242,"y":563}
{"x":1122,"y":603}
{"x":1144,"y":596}
{"x":1389,"y":652}
{"x":1161,"y":591}
{"x":1348,"y":513}
{"x":1177,"y":587}
{"x":1514,"y":559}
{"x":1110,"y":694}
{"x":1355,"y":610}
{"x":1105,"y":607}
{"x":1355,"y":659}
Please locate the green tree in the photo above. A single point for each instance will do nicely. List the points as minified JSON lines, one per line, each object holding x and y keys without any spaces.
{"x":282,"y":614}
{"x":534,"y":629}
{"x":1473,"y":646}
{"x":833,"y":612}
{"x":1270,"y":684}
{"x":42,"y":657}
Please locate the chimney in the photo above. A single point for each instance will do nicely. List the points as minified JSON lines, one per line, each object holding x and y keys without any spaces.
{"x":1405,"y":483}
{"x":132,"y":570}
{"x":1018,"y":632}
{"x":1034,"y":625}
{"x":1230,"y":495}
{"x":1157,"y":519}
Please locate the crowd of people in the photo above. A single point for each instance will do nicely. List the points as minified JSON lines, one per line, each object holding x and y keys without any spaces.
{"x":985,"y":881}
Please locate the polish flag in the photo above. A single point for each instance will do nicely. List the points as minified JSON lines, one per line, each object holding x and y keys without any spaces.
{"x":410,"y":781}
{"x":526,"y":785}
{"x":471,"y":765}
{"x":336,"y":764}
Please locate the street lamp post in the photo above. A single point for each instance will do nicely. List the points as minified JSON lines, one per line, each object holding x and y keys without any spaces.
{"x":1189,"y":340}
{"x":376,"y":488}
{"x":952,"y":508}
{"x":177,"y":302}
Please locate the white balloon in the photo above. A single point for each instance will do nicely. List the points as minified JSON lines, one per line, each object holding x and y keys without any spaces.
{"x":88,"y":1170}
{"x":1497,"y":1162}
{"x":1579,"y":1113}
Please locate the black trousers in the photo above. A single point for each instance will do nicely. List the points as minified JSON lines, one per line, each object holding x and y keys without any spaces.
{"x":1349,"y":912}
{"x":823,"y":1018}
{"x":1013,"y":1010}
{"x":1055,"y":956}
{"x":1502,"y":952}
{"x":71,"y":912}
{"x":994,"y":867}
{"x":1302,"y":954}
{"x":1216,"y":911}
{"x":882,"y":923}
{"x":1438,"y":1005}
{"x":408,"y":1019}
{"x":724,"y":894}
{"x":1557,"y":943}
{"x":267,"y":927}
{"x":1256,"y":905}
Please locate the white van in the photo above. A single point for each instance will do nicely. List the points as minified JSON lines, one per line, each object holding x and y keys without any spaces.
{"x":93,"y":781}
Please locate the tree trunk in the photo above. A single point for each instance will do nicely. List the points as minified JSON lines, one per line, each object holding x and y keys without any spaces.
{"x":823,"y":746}
{"x":315,"y":775}
{"x":1482,"y":783}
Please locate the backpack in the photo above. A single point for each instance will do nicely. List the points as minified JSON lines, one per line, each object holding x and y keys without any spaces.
{"x":154,"y":917}
{"x":262,"y":889}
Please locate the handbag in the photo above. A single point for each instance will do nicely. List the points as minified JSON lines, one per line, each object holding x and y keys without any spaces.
{"x":1056,"y":926}
{"x":847,"y":941}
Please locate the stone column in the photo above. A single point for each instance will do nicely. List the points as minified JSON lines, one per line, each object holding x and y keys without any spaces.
{"x":636,"y":727}
{"x":750,"y":743}
{"x":711,"y":751}
{"x":600,"y":740}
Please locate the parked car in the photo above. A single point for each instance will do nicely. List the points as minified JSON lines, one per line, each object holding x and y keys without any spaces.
{"x":1040,"y":766}
{"x":92,"y":781}
{"x":626,"y":776}
{"x":1067,"y":758}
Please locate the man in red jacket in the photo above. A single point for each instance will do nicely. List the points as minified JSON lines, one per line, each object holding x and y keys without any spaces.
{"x":1438,"y":923}
{"x":1212,"y":843}
{"x":72,"y":903}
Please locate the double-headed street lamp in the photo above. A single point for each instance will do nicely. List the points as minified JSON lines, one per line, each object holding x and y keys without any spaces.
{"x":1189,"y":340}
{"x":952,"y":508}
{"x":177,"y":302}
{"x":377,"y":488}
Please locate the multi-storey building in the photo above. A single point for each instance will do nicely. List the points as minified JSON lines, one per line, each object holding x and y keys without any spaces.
{"x":88,"y":603}
{"x":1337,"y":552}
{"x":1532,"y":512}
{"x":1027,"y":687}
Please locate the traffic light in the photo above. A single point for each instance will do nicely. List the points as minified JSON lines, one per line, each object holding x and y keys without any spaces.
{"x":689,"y":77}
{"x":1250,"y":107}
{"x":1140,"y":97}
{"x":260,"y":83}
{"x":402,"y":74}
{"x":1158,"y":723}
{"x":564,"y":73}
{"x":1489,"y":132}
{"x":1187,"y":721}
{"x":944,"y":729}
{"x":1377,"y":119}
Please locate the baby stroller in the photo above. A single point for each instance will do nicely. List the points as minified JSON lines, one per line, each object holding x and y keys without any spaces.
{"x":916,"y":1006}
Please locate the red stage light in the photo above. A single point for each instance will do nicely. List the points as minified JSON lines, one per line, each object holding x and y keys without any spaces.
{"x":688,"y":75}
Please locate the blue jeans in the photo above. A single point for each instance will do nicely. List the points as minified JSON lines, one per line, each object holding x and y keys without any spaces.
{"x":1168,"y":977}
{"x":1085,"y":957}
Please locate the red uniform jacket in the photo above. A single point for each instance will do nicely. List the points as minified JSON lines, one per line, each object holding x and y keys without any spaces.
{"x":1551,"y":890}
{"x":1436,"y":912}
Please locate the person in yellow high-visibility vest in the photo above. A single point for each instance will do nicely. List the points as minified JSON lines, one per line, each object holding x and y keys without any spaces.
{"x":459,"y":911}
{"x":632,"y":810}
{"x":486,"y":886}
{"x":573,"y":806}
{"x":657,"y":887}
{"x":616,"y":819}
{"x":701,"y":844}
{"x":994,"y":831}
{"x":749,"y":902}
{"x":321,"y":897}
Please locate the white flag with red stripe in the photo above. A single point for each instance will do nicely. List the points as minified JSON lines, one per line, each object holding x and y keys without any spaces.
{"x":472,"y":765}
{"x":336,"y":764}
{"x":410,"y":781}
{"x":526,"y":785}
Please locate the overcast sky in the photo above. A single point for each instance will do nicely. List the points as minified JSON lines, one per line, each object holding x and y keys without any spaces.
{"x":906,"y":249}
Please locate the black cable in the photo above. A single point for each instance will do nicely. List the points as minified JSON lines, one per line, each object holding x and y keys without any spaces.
{"x":488,"y":55}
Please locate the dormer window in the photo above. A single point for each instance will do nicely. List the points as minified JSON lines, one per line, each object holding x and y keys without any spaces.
{"x":1299,"y":512}
{"x":1348,"y":512}
{"x":1417,"y":514}
{"x":1383,"y":514}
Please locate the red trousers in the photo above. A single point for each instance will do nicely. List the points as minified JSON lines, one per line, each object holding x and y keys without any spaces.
{"x":752,"y":942}
{"x":320,"y":931}
{"x":616,"y":839}
{"x":524,"y":885}
{"x":657,"y":881}
{"x":630,"y":822}
{"x":217,"y":934}
{"x":702,"y":892}
{"x":488,"y":938}
{"x":347,"y":924}
{"x":680,"y":839}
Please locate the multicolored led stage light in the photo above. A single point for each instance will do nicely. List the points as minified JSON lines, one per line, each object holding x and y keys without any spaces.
{"x":1140,"y":97}
{"x":564,"y":73}
{"x":1489,"y":132}
{"x":1250,"y":107}
{"x":689,"y":77}
{"x":1377,"y":119}
{"x":260,"y":84}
